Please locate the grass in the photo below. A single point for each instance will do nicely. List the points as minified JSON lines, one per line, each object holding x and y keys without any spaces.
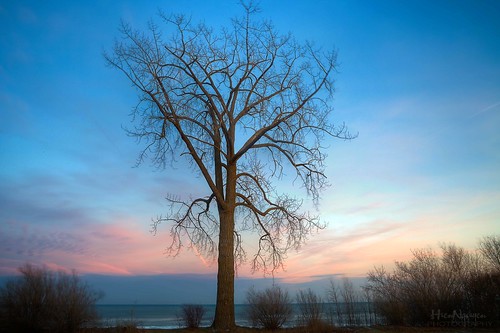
{"x":373,"y":329}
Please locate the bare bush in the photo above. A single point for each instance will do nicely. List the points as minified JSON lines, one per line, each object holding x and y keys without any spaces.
{"x":44,"y":301}
{"x":456,"y":281}
{"x":192,"y":315}
{"x":269,"y":309}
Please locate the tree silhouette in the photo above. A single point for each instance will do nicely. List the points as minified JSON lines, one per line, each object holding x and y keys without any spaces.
{"x":245,"y":106}
{"x":489,"y":246}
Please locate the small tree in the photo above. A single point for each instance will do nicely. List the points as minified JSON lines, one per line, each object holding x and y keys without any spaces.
{"x":192,"y":315}
{"x":335,"y":310}
{"x":350,"y":299}
{"x":369,"y":313}
{"x":44,"y":301}
{"x":311,"y":308}
{"x":269,"y":309}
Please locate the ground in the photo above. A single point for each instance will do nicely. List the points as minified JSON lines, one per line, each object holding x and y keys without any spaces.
{"x":374,"y":329}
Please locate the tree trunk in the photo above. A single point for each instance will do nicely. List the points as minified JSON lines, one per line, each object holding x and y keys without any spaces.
{"x":224,"y":310}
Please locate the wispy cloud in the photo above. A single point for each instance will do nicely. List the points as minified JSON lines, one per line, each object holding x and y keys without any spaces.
{"x":494,"y":106}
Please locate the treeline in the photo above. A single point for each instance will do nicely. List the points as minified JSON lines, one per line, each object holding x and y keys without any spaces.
{"x":455,"y":287}
{"x":452,"y":287}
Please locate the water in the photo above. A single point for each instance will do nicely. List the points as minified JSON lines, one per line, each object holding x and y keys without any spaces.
{"x":158,"y":316}
{"x":169,"y":316}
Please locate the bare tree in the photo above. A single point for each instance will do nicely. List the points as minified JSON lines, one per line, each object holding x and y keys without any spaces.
{"x":310,"y":307}
{"x":350,"y":299}
{"x":369,"y":313}
{"x":333,"y":293}
{"x":245,"y":106}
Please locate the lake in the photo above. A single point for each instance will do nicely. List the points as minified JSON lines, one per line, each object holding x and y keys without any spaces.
{"x":169,"y":316}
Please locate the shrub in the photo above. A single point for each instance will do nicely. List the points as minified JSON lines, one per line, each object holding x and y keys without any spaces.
{"x":44,"y":301}
{"x":192,"y":315}
{"x":269,"y":309}
{"x":457,"y":281}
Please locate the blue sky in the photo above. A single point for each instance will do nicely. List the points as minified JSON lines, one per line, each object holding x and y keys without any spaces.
{"x":419,"y":81}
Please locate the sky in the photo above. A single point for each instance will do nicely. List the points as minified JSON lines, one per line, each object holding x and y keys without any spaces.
{"x":418,"y":80}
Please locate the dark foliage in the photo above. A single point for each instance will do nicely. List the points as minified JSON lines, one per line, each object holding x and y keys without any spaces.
{"x":40,"y":300}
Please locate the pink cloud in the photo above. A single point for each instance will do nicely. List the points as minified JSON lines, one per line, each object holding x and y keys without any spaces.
{"x":122,"y":247}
